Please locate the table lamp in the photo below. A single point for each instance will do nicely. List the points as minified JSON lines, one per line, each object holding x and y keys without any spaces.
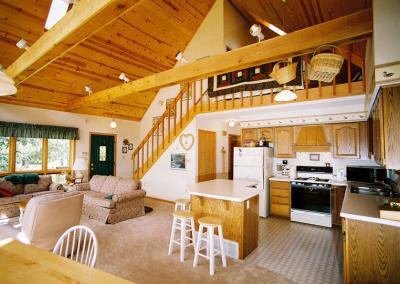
{"x":79,"y":166}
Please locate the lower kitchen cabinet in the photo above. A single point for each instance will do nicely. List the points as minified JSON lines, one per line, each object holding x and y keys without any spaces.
{"x":337,"y":201}
{"x":280,"y":198}
{"x":371,"y":252}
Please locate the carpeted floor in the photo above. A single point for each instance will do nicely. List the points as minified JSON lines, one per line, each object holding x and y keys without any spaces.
{"x":136,"y":249}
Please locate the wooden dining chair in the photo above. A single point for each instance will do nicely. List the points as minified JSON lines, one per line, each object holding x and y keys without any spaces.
{"x":78,"y":243}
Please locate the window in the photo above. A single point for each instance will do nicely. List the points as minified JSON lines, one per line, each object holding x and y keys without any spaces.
{"x":58,"y":154}
{"x":58,"y":9}
{"x":4,"y":154}
{"x":103,"y":153}
{"x":28,"y":154}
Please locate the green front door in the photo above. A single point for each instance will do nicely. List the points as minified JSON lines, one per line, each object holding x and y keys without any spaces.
{"x":102,"y":155}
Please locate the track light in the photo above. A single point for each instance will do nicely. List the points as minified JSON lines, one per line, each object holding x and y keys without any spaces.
{"x":22,"y":44}
{"x":180,"y":58}
{"x":123,"y":78}
{"x":256,"y":31}
{"x":88,"y":90}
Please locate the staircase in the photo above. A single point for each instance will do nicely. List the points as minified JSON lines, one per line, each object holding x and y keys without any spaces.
{"x":193,"y":99}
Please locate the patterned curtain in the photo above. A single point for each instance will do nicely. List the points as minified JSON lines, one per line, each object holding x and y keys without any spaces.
{"x":13,"y":129}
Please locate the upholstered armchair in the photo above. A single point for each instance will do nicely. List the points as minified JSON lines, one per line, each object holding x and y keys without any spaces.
{"x":111,"y":199}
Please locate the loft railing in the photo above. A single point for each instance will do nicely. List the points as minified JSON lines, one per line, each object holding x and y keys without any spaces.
{"x":193,"y":99}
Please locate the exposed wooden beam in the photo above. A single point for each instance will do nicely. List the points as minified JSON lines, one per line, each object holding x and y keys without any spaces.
{"x":83,"y":20}
{"x":342,"y":30}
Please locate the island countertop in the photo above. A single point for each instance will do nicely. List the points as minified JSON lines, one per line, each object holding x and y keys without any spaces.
{"x":237,"y":190}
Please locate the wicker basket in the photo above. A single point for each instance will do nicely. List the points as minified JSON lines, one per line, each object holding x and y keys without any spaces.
{"x":325,"y":66}
{"x":284,"y":74}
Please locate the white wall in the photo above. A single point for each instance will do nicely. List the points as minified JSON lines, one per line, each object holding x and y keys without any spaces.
{"x":85,"y":123}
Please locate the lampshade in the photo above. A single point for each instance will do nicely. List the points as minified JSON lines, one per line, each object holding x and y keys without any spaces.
{"x":79,"y":165}
{"x":285,"y":96}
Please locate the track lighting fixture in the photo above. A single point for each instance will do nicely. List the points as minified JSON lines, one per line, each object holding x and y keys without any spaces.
{"x":180,"y":58}
{"x":22,"y":44}
{"x":123,"y":78}
{"x":256,"y":31}
{"x":88,"y":90}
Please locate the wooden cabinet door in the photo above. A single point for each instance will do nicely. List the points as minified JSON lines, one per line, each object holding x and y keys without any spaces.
{"x":284,"y":142}
{"x":280,"y":198}
{"x":377,"y":137}
{"x":346,"y":140}
{"x":337,"y":201}
{"x":249,"y":135}
{"x":268,"y":133}
{"x":207,"y":155}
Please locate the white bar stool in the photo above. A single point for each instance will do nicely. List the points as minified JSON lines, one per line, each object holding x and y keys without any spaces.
{"x":184,"y":227}
{"x":210,"y":223}
{"x":182,"y":204}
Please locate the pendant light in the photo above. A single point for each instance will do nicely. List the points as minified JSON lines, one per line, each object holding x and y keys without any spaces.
{"x":285,"y":95}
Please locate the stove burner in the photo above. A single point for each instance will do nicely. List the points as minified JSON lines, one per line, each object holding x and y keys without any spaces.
{"x":312,"y":179}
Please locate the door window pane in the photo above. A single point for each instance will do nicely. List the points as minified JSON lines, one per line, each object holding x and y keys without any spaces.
{"x":29,"y":154}
{"x":58,"y":153}
{"x":103,"y":153}
{"x":4,"y":153}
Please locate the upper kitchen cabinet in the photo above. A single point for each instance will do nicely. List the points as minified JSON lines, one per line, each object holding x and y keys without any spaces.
{"x":377,"y":131}
{"x":249,"y":136}
{"x":346,"y":140}
{"x":311,"y":139}
{"x":267,"y":133}
{"x":284,"y":142}
{"x":386,"y":41}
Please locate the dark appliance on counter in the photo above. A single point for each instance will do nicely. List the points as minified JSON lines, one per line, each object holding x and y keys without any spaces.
{"x":366,"y":174}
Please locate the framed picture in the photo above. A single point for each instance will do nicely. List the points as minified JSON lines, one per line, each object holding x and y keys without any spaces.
{"x":124,"y":150}
{"x":314,"y":157}
{"x":178,"y":161}
{"x":171,"y":103}
{"x":130,"y":146}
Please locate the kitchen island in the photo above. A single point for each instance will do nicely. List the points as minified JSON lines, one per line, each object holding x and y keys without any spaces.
{"x":236,"y":203}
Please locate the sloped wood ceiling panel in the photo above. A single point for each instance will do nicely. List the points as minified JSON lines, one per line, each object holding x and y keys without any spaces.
{"x":141,"y":42}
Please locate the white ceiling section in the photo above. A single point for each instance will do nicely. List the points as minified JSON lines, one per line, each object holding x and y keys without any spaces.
{"x":328,"y":110}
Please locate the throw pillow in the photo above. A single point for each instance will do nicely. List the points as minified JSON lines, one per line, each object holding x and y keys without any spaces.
{"x":6,"y":193}
{"x":32,"y":188}
{"x":44,"y":182}
{"x":9,"y":186}
{"x":15,"y":179}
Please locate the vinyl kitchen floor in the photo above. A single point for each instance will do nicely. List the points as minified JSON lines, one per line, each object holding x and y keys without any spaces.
{"x":300,"y":252}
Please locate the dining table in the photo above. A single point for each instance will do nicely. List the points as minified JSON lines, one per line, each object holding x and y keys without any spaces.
{"x":22,"y":263}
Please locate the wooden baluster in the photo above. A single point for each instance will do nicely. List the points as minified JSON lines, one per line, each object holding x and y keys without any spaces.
{"x":187,"y":101}
{"x":306,"y":75}
{"x":251,"y":98}
{"x":201,"y":95}
{"x":194,"y":96}
{"x":209,"y":102}
{"x":158,"y":134}
{"x":162,"y":131}
{"x":349,"y":72}
{"x":334,"y":87}
{"x":241,"y":98}
{"x":216,"y":102}
{"x":169,"y":123}
{"x":142,"y":159}
{"x":152,"y":144}
{"x":363,"y":76}
{"x":181,"y":104}
{"x":233,"y":100}
{"x":175,"y":114}
{"x":147,"y":151}
{"x":224,"y":101}
{"x":137,"y":166}
{"x":271,"y":96}
{"x":261,"y":97}
{"x":319,"y":89}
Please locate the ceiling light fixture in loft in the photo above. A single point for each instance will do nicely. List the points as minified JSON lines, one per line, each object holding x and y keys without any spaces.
{"x":22,"y":44}
{"x":113,"y":124}
{"x":285,"y":95}
{"x":7,"y":85}
{"x":180,"y":58}
{"x":123,"y":78}
{"x":88,"y":90}
{"x":256,"y":31}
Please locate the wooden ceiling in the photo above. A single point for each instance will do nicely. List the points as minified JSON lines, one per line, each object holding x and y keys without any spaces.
{"x":143,"y":41}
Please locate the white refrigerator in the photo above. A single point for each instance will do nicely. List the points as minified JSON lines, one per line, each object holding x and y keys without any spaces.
{"x":255,"y":163}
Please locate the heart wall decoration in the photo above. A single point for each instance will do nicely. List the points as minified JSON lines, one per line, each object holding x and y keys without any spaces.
{"x":186,"y":141}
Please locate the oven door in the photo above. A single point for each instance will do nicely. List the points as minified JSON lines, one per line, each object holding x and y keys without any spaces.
{"x":311,"y":197}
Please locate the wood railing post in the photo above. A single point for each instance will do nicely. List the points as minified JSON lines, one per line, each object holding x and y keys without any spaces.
{"x":157,"y":135}
{"x":147,"y":151}
{"x":169,"y":123}
{"x":152,"y":144}
{"x":241,"y":98}
{"x":224,"y":101}
{"x":137,"y":165}
{"x":187,"y":101}
{"x":306,"y":75}
{"x":162,"y":131}
{"x":143,"y":159}
{"x":201,"y":95}
{"x":349,"y":71}
{"x":194,"y":96}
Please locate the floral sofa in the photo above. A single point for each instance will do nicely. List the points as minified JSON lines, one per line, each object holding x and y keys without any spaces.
{"x":111,"y":199}
{"x":24,"y":192}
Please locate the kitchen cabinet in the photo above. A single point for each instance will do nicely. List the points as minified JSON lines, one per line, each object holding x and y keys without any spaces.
{"x":337,"y":201}
{"x":280,"y":198}
{"x":311,"y":139}
{"x":249,"y":135}
{"x":284,"y":142}
{"x":386,"y":128}
{"x":370,"y":252}
{"x":267,"y":133}
{"x":346,"y":140}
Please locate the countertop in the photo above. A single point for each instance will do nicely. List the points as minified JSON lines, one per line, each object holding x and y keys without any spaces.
{"x":332,"y":181}
{"x":365,"y":208}
{"x":237,"y":190}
